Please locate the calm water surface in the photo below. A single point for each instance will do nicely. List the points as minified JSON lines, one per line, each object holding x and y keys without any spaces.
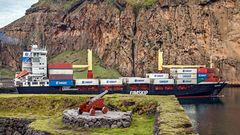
{"x":217,"y":116}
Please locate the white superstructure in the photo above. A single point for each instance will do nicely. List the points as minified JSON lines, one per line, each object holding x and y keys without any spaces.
{"x":34,"y":68}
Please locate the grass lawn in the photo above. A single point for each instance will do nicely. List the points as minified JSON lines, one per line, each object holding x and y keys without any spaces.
{"x":7,"y":73}
{"x":47,"y":110}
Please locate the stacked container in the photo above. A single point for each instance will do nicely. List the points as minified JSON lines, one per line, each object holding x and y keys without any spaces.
{"x":186,"y":76}
{"x":157,"y":76}
{"x":112,"y":85}
{"x":60,"y":75}
{"x":87,"y":84}
{"x":161,"y":81}
{"x":138,"y":84}
{"x":202,"y":74}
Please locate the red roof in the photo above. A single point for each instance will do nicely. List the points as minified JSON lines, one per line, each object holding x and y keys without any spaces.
{"x":60,"y":66}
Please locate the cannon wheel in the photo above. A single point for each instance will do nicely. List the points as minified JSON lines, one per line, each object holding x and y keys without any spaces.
{"x":92,"y":112}
{"x":104,"y":110}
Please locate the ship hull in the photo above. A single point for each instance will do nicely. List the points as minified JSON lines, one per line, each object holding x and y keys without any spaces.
{"x":194,"y":90}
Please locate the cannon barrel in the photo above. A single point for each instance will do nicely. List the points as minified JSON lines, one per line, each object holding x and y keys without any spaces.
{"x":99,"y":96}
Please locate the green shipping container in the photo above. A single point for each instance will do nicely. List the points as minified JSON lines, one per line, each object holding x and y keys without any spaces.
{"x":200,"y":80}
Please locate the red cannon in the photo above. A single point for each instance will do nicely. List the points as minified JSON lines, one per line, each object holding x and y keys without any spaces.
{"x":93,"y":104}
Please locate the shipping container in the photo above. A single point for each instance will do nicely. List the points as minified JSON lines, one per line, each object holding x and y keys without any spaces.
{"x":187,"y":70}
{"x":202,"y":75}
{"x":202,"y":70}
{"x":186,"y":81}
{"x":125,"y":79}
{"x":138,"y":80}
{"x":61,"y":77}
{"x":163,"y":81}
{"x":61,"y":83}
{"x":173,"y":71}
{"x":201,"y":80}
{"x":190,"y":76}
{"x":111,"y":81}
{"x":60,"y":71}
{"x":157,"y":76}
{"x":60,"y":66}
{"x":86,"y":82}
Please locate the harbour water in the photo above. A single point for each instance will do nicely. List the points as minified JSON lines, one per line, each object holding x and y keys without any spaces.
{"x":215,"y":116}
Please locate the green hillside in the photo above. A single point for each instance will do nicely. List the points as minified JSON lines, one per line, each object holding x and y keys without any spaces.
{"x":80,"y":57}
{"x":75,"y":57}
{"x":6,"y":73}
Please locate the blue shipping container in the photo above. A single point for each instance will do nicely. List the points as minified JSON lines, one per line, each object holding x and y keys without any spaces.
{"x":202,"y":75}
{"x":61,"y":83}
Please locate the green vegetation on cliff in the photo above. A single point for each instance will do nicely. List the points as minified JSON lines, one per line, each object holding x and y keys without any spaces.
{"x":7,"y":73}
{"x":80,"y":57}
{"x":47,"y":110}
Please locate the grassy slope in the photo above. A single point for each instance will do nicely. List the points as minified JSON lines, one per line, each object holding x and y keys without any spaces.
{"x":47,"y":110}
{"x":7,"y":73}
{"x":80,"y":57}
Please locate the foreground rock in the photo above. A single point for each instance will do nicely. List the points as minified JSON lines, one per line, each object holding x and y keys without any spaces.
{"x":109,"y":120}
{"x":17,"y":126}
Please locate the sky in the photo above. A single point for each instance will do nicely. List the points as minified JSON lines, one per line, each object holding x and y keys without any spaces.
{"x":11,"y":10}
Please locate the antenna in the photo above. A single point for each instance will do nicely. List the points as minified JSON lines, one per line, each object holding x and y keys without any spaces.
{"x":160,"y":60}
{"x":211,"y":63}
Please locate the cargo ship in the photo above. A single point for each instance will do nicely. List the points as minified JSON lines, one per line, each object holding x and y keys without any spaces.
{"x":38,"y":77}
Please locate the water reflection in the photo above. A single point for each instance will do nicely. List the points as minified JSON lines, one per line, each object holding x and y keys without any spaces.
{"x":215,"y":116}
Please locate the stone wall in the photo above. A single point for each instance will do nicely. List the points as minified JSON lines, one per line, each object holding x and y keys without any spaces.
{"x":17,"y":126}
{"x":100,"y":120}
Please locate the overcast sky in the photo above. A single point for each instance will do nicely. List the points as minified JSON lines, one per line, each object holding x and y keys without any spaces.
{"x":11,"y":10}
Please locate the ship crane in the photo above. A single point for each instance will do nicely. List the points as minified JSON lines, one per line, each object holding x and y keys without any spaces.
{"x":88,"y":66}
{"x":161,"y":66}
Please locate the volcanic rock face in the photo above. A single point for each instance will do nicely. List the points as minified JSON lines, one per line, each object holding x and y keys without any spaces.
{"x":108,"y":120}
{"x":127,"y":36}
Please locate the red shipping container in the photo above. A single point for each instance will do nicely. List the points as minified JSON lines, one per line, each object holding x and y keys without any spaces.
{"x":60,"y":66}
{"x":60,"y":77}
{"x":202,"y":70}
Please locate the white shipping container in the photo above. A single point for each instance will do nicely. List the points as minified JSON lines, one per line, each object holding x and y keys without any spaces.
{"x":187,"y":70}
{"x":86,"y":82}
{"x":60,"y":71}
{"x":138,"y":80}
{"x":125,"y":79}
{"x":111,"y":81}
{"x":182,"y":76}
{"x":163,"y":81}
{"x":157,"y":76}
{"x":186,"y":81}
{"x":173,"y":71}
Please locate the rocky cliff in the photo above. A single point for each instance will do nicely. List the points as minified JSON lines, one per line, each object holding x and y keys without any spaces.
{"x":126,"y":34}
